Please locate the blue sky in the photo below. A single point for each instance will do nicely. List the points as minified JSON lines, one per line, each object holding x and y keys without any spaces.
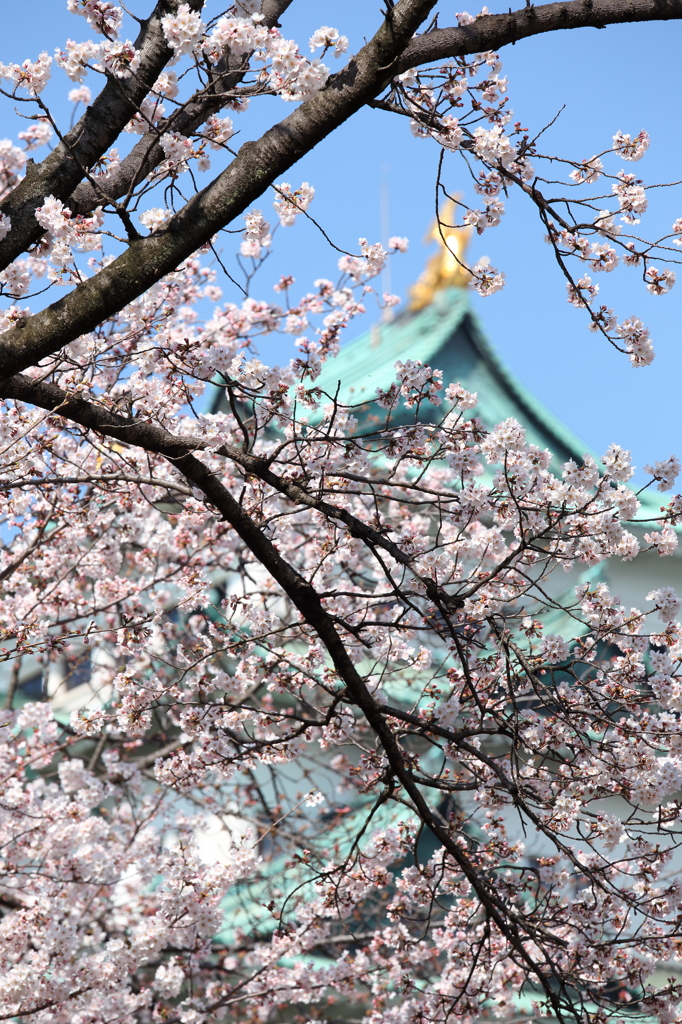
{"x":622,"y":77}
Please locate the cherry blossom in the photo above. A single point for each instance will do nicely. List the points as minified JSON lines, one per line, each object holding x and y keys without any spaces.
{"x":665,"y":541}
{"x":398,"y":243}
{"x":120,"y":58}
{"x":183,"y":30}
{"x":325,"y":38}
{"x":486,"y":279}
{"x":637,"y":341}
{"x":155,"y":218}
{"x":66,"y":229}
{"x":289,"y":204}
{"x":631,"y":149}
{"x":588,"y":171}
{"x":218,"y":131}
{"x":631,"y":197}
{"x":257,"y":235}
{"x":665,"y":472}
{"x":80,"y":95}
{"x":216,"y":680}
{"x":78,"y":58}
{"x":102,"y":15}
{"x":659,"y":281}
{"x":667,"y":602}
{"x":178,"y":150}
{"x":317,"y":704}
{"x":32,"y":76}
{"x":554,"y":649}
{"x":37,"y":134}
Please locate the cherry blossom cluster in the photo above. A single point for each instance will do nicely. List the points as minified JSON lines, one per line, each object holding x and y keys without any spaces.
{"x":12,"y":163}
{"x":55,"y":260}
{"x":119,"y":58}
{"x":31,"y":76}
{"x":286,"y":71}
{"x":339,"y":717}
{"x":448,"y":104}
{"x":289,"y":204}
{"x":462,"y":105}
{"x":438,"y":549}
{"x":101,"y":15}
{"x":83,"y":851}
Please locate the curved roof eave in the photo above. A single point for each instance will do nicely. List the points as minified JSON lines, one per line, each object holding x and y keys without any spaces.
{"x":368,"y":362}
{"x":448,"y":335}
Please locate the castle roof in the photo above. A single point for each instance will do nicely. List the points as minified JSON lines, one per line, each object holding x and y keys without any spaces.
{"x":447,"y":335}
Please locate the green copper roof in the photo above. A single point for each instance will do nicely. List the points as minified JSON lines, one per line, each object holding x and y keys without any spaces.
{"x":447,"y":335}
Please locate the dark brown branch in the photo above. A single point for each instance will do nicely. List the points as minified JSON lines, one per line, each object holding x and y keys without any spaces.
{"x":148,"y":154}
{"x":155,"y":439}
{"x":96,"y":131}
{"x":101,"y":478}
{"x":307,"y":602}
{"x":255,"y":167}
{"x":259,"y":163}
{"x":13,"y":566}
{"x":13,"y":684}
{"x":309,"y":605}
{"x":496,"y":30}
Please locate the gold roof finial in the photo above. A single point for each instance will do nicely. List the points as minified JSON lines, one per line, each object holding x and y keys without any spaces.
{"x":444,"y":270}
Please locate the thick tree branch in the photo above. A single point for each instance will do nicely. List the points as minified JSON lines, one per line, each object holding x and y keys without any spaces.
{"x":308,"y":603}
{"x":96,"y":131}
{"x":496,"y":30}
{"x":154,"y":438}
{"x":259,"y":163}
{"x":256,"y":166}
{"x":147,"y":153}
{"x":487,"y":33}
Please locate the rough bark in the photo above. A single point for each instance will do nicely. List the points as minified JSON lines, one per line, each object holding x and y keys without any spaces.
{"x":154,"y":438}
{"x":489,"y":33}
{"x":497,"y":30}
{"x":259,"y":163}
{"x":310,"y":606}
{"x":88,"y":140}
{"x":147,"y":153}
{"x":256,"y":166}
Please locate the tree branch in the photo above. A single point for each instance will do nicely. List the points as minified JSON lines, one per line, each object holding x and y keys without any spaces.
{"x":147,"y":153}
{"x":98,"y":128}
{"x":254,"y":168}
{"x":308,"y":603}
{"x":156,"y":439}
{"x":496,"y":30}
{"x":259,"y":163}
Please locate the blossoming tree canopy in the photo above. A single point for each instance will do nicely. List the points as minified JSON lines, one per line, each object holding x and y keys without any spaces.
{"x":358,"y":746}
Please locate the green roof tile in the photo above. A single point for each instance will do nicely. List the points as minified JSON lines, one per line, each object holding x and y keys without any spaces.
{"x":448,"y":336}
